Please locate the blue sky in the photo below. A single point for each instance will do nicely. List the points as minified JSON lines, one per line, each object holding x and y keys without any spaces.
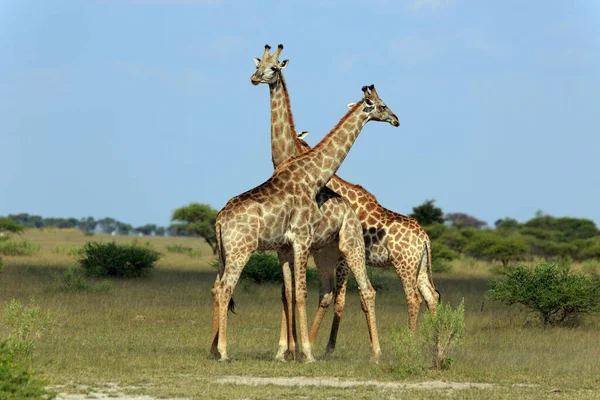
{"x":132,"y":108}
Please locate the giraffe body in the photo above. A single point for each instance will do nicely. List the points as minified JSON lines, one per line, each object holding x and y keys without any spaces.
{"x":282,"y":213}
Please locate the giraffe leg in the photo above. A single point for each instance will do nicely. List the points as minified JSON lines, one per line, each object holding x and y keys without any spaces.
{"x":407,"y":272}
{"x":233,"y":270}
{"x":287,"y":336}
{"x":215,"y":327}
{"x":325,"y":260}
{"x":352,"y":246}
{"x":341,"y":281}
{"x":301,"y":251}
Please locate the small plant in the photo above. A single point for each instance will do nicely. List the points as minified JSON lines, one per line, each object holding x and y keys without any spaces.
{"x":113,"y":260}
{"x":69,"y":280}
{"x":436,"y":338}
{"x":13,"y":247}
{"x":442,"y":332}
{"x":104,"y":286}
{"x":17,"y":381}
{"x":263,"y":267}
{"x":25,"y":323}
{"x":557,"y":294}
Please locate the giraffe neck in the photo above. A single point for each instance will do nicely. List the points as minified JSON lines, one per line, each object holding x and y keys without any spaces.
{"x":326,"y":157}
{"x":283,"y":132}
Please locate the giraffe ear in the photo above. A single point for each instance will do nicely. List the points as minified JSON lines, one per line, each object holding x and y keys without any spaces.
{"x":302,"y":135}
{"x":256,"y":61}
{"x":284,"y":64}
{"x":350,"y":105}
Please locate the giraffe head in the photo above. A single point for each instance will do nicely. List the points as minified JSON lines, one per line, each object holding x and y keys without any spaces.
{"x":268,"y":69}
{"x":376,"y":108}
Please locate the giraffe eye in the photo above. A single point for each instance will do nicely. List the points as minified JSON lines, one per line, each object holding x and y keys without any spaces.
{"x":273,"y":69}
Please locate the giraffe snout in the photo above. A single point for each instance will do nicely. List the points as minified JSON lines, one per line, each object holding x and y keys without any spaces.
{"x":255,"y":80}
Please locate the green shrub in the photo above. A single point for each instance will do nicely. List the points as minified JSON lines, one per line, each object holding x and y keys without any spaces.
{"x":263,"y":267}
{"x":25,"y":323}
{"x":69,"y":280}
{"x":16,"y":381}
{"x":177,"y":248}
{"x":113,"y":260}
{"x":13,"y":247}
{"x":442,"y":332}
{"x":495,"y":246}
{"x":557,"y":294}
{"x":432,"y":345}
{"x":441,"y":255}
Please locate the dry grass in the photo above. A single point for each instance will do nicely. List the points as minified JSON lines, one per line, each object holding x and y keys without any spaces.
{"x":154,"y":333}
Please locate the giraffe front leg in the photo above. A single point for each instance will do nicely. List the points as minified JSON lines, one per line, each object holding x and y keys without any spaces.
{"x":287,"y":336}
{"x":300,"y":260}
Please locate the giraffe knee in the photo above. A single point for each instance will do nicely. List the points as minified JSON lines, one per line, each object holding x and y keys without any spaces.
{"x":326,"y":300}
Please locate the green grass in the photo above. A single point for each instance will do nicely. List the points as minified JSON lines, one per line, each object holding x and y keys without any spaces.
{"x":154,"y":333}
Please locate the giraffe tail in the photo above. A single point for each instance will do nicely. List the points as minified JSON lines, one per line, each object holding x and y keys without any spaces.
{"x":222,"y":260}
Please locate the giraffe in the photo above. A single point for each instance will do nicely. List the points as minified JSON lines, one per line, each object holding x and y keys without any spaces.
{"x":283,"y":213}
{"x":334,"y":208}
{"x":391,"y":239}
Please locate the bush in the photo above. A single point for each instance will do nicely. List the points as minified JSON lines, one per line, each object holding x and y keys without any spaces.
{"x":441,"y":255}
{"x":494,"y":246}
{"x":113,"y":260}
{"x":557,"y":294}
{"x":25,"y":324}
{"x":18,"y":247}
{"x":16,"y":381}
{"x":263,"y":267}
{"x":442,"y":332}
{"x":435,"y":340}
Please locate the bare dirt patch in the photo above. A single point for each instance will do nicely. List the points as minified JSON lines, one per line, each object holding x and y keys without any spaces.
{"x":338,"y":383}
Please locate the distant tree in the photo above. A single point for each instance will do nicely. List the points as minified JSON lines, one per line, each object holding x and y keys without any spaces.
{"x":160,"y":231}
{"x":435,"y":231}
{"x":462,"y":220}
{"x":8,"y":226}
{"x":507,"y":224}
{"x":107,"y":224}
{"x":569,"y":228}
{"x":123,"y":228}
{"x":428,"y":214}
{"x":454,"y":239}
{"x":87,"y":224}
{"x":196,"y":219}
{"x":26,"y":220}
{"x":492,"y":246}
{"x":145,"y":229}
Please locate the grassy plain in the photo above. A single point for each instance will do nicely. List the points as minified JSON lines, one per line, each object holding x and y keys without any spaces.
{"x":152,"y":335}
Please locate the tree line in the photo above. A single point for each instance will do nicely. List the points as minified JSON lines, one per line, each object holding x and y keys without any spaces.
{"x":452,"y":234}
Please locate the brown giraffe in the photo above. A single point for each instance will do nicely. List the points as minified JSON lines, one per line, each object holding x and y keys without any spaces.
{"x":335,"y":210}
{"x":391,"y":239}
{"x":283,"y":213}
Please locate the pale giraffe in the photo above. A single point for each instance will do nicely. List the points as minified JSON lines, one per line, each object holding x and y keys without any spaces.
{"x":334,"y":208}
{"x":391,"y":239}
{"x":283,"y":213}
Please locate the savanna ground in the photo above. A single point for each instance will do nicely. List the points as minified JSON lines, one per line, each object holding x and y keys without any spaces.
{"x":150,"y":336}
